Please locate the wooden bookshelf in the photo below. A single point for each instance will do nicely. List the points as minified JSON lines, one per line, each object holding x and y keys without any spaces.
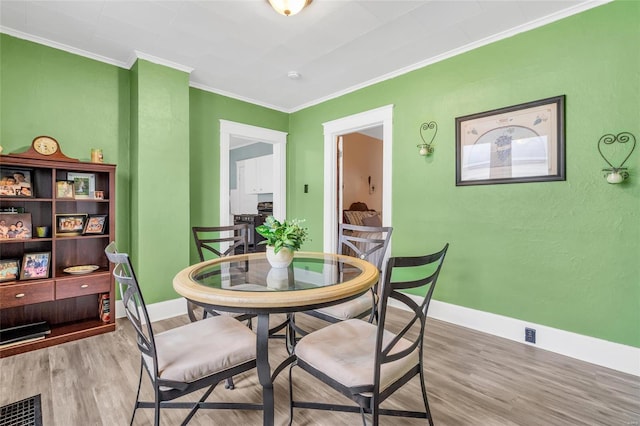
{"x":69,"y":303}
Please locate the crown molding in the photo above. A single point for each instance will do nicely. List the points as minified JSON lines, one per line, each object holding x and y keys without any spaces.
{"x":238,"y":97}
{"x":156,"y":60}
{"x":471,"y":46}
{"x":60,"y":46}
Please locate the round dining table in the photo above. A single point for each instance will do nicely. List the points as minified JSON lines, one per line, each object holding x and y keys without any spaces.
{"x":248,"y":284}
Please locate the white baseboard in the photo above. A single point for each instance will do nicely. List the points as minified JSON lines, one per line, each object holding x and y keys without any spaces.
{"x":159,"y":311}
{"x":596,"y":351}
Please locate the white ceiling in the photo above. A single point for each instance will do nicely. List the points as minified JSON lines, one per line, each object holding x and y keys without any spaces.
{"x":243,"y":49}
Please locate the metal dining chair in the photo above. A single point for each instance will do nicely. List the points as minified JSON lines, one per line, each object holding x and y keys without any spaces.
{"x":184,"y":359}
{"x":366,"y":362}
{"x":208,"y":240}
{"x":368,"y":243}
{"x":365,"y":242}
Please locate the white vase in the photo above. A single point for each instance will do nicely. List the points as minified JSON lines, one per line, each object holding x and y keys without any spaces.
{"x":282,"y":259}
{"x":278,"y":278}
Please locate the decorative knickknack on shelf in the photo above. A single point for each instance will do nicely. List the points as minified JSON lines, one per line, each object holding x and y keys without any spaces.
{"x":282,"y":239}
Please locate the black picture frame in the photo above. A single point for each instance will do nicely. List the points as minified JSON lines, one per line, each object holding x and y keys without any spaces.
{"x":96,"y":224}
{"x":515,"y":144}
{"x":16,"y":182}
{"x":69,"y":225}
{"x":35,"y":266}
{"x":9,"y":270}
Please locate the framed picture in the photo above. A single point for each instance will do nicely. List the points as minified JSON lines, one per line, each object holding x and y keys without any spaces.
{"x":68,"y":225}
{"x":98,"y":195}
{"x":65,"y":189}
{"x":12,"y":209}
{"x":95,"y":224}
{"x":520,"y":143}
{"x":15,"y":183}
{"x":84,"y":184}
{"x":9,"y":269}
{"x":35,"y":265}
{"x":15,"y":226}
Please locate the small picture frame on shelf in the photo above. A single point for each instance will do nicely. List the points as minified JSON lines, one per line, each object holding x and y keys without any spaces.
{"x":9,"y":269}
{"x":65,"y":189}
{"x":11,"y":209}
{"x":15,"y":226}
{"x":68,"y":225}
{"x":98,"y":195}
{"x":84,"y":184}
{"x":95,"y":224}
{"x":15,"y":183}
{"x":35,"y":265}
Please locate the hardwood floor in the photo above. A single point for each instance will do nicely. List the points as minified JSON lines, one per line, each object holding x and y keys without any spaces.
{"x":472,"y":379}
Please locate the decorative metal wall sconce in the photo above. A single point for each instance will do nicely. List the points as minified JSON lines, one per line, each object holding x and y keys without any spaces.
{"x":617,"y":174}
{"x":428,"y":131}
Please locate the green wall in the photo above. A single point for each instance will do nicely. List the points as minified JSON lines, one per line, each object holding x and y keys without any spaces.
{"x":561,"y":254}
{"x":206,"y":111}
{"x":82,"y":103}
{"x":160,"y":177}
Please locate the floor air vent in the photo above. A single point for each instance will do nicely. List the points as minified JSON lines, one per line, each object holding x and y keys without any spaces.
{"x":27,"y":412}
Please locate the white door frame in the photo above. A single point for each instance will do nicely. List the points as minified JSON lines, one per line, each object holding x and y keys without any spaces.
{"x":278,"y":139}
{"x":332,"y":130}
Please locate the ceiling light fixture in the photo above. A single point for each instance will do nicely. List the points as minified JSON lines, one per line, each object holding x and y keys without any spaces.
{"x":289,"y":7}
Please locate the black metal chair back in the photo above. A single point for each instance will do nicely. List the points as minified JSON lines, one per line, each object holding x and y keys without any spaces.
{"x":424,"y":273}
{"x":210,"y":237}
{"x":369,"y":243}
{"x":134,"y":306}
{"x":365,"y":242}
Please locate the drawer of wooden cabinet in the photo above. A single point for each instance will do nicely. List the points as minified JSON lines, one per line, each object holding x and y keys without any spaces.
{"x":81,"y":286}
{"x":25,"y":294}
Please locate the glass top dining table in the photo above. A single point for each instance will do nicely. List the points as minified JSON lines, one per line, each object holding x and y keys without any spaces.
{"x":247,"y":283}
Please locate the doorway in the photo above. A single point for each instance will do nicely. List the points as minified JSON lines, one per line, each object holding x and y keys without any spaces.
{"x":360,"y":169}
{"x":333,"y":130}
{"x":231,"y":131}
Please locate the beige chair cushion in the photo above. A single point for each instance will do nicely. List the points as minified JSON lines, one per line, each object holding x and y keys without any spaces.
{"x":344,"y":351}
{"x":351,"y":309}
{"x":202,"y":348}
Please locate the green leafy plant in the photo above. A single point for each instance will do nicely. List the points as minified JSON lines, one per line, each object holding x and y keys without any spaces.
{"x":289,"y":234}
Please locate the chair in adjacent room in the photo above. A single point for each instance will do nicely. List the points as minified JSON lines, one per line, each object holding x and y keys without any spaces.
{"x":367,"y":362}
{"x":365,"y":242}
{"x":182,"y":360}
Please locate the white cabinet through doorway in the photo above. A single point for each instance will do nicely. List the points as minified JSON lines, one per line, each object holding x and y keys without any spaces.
{"x":258,"y":175}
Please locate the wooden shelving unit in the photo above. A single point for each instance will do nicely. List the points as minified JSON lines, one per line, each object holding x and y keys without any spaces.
{"x":68,"y":303}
